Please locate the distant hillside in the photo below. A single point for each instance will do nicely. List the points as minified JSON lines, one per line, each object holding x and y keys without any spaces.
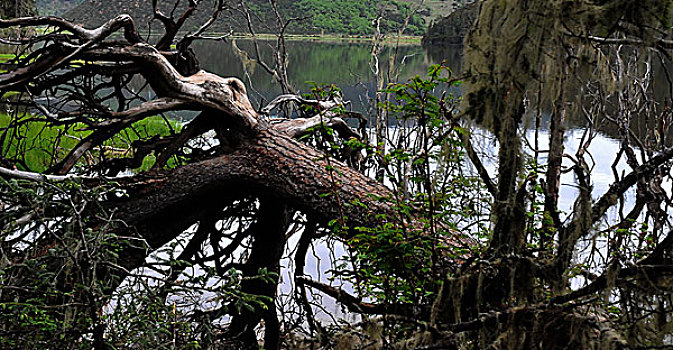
{"x":55,"y":7}
{"x":353,"y":17}
{"x":453,"y":28}
{"x":348,"y":17}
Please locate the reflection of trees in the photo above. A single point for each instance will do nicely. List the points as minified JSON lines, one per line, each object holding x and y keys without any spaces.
{"x":345,"y":64}
{"x":651,"y":124}
{"x":338,"y":63}
{"x":451,"y":54}
{"x":351,"y":17}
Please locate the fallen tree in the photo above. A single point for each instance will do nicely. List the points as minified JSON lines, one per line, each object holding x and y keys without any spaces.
{"x":180,"y":230}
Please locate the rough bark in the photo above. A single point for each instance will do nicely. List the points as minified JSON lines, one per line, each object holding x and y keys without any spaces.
{"x":268,"y":162}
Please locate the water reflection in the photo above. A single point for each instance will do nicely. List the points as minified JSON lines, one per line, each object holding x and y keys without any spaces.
{"x":346,"y":64}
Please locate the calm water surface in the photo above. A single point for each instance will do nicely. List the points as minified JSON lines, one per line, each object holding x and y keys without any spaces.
{"x":346,"y":64}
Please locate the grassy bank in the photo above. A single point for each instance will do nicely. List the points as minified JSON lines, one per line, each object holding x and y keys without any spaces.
{"x":327,"y":38}
{"x":35,"y":144}
{"x":391,"y":39}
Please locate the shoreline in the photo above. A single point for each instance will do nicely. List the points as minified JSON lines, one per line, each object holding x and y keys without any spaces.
{"x":408,"y":39}
{"x":336,"y":38}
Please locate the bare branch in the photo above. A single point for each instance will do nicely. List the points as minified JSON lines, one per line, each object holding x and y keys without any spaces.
{"x":299,"y":127}
{"x":121,"y":21}
{"x":38,"y":177}
{"x":62,"y":54}
{"x":108,"y":128}
{"x":322,"y":105}
{"x":356,"y":305}
{"x":617,"y":189}
{"x":476,"y":161}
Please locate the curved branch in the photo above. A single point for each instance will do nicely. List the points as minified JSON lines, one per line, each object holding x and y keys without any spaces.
{"x":122,"y":21}
{"x":108,"y":128}
{"x":55,"y":55}
{"x":319,"y":104}
{"x":206,"y":89}
{"x":649,"y":272}
{"x":209,"y":90}
{"x":617,"y":189}
{"x":37,"y":177}
{"x":172,"y":27}
{"x":299,"y":127}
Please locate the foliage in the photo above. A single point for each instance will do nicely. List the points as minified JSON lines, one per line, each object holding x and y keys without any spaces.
{"x":355,"y":17}
{"x":53,"y":305}
{"x":57,"y":295}
{"x":344,"y":17}
{"x":402,"y":262}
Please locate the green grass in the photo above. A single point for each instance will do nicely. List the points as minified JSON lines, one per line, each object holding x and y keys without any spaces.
{"x":38,"y":145}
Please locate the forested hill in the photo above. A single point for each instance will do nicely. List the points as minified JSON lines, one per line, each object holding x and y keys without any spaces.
{"x":55,"y":7}
{"x":350,"y":17}
{"x":453,"y":28}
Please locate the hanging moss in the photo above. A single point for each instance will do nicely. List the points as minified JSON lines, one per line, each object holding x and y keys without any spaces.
{"x":17,"y":8}
{"x":519,"y":44}
{"x":537,"y":50}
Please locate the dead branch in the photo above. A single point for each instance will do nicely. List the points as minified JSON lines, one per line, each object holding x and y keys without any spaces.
{"x":356,"y":305}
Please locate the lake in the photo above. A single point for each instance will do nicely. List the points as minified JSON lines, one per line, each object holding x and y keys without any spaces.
{"x":343,"y":63}
{"x":347,"y":64}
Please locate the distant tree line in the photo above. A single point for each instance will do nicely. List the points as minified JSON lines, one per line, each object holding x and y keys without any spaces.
{"x":344,"y":17}
{"x":355,"y":17}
